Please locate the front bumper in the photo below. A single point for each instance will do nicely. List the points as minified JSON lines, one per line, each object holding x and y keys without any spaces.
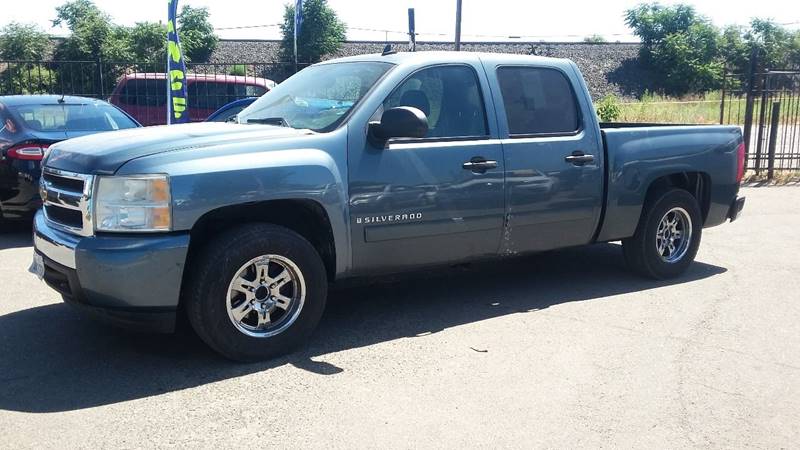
{"x":132,"y":281}
{"x":736,"y":208}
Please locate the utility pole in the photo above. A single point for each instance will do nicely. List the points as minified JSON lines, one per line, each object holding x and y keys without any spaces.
{"x":458,"y":25}
{"x":412,"y":31}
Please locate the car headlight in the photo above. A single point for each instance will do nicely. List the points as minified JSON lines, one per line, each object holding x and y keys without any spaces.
{"x":137,"y":203}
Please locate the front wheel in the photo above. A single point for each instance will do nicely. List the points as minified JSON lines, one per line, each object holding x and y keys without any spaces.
{"x":256,"y":292}
{"x":667,"y":237}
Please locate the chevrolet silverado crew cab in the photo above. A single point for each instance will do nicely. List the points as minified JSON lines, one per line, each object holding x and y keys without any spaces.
{"x":363,"y":166}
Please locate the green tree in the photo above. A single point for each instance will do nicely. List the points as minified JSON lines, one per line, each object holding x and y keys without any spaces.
{"x":771,"y":43}
{"x":735,"y":50}
{"x":653,"y":22}
{"x":197,"y":34}
{"x":794,"y":51}
{"x":92,"y":34}
{"x":679,"y":45}
{"x":147,"y":41}
{"x":73,"y":12}
{"x":23,"y":42}
{"x":321,"y":33}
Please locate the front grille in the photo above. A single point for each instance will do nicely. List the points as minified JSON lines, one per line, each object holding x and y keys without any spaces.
{"x":67,"y":200}
{"x":60,"y":182}
{"x":64,"y":216}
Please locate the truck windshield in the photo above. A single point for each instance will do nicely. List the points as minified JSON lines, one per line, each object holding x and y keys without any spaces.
{"x":317,"y":98}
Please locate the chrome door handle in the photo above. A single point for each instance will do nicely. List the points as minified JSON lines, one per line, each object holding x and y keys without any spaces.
{"x":579,"y":158}
{"x":479,"y":164}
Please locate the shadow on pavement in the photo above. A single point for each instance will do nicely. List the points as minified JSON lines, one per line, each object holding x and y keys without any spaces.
{"x":15,"y":235}
{"x":52,"y":359}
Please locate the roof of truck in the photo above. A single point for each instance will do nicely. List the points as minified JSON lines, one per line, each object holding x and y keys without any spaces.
{"x":444,"y":56}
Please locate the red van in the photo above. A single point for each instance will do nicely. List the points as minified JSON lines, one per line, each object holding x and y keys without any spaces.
{"x":144,"y":95}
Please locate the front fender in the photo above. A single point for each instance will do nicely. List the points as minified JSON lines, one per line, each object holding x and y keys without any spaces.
{"x":204,"y":184}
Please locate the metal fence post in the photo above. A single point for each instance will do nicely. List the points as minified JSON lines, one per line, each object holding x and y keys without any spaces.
{"x":748,"y":109}
{"x":722,"y":102}
{"x":762,"y":118}
{"x":100,"y":76}
{"x":773,"y":138}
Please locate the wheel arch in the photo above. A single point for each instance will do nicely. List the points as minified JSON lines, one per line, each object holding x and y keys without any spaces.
{"x":628,"y":201}
{"x":696,"y":183}
{"x":306,"y":217}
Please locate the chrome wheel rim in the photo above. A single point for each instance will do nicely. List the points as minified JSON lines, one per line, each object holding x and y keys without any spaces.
{"x":265,"y":296}
{"x":674,"y":235}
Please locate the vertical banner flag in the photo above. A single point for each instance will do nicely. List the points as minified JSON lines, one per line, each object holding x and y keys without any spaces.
{"x":298,"y":22}
{"x":176,"y":71}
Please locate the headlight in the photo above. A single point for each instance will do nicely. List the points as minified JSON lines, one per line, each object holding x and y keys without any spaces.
{"x":138,"y":203}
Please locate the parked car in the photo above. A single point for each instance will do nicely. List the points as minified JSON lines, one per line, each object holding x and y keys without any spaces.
{"x":144,"y":95}
{"x":29,"y":124}
{"x":229,"y":111}
{"x":363,"y":166}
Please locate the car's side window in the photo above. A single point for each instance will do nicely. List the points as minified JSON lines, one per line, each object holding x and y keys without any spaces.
{"x":538,"y":101}
{"x":450,"y":97}
{"x":144,"y":92}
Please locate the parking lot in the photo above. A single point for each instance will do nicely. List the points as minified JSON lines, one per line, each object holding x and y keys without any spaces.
{"x":561,"y":349}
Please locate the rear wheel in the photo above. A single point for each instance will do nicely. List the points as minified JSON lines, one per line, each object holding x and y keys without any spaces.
{"x":667,"y":237}
{"x":256,"y":292}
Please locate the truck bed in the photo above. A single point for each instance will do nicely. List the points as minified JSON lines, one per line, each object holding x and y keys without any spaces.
{"x":605,"y":125}
{"x":637,"y":154}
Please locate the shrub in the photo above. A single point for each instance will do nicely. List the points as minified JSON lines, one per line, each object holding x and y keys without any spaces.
{"x":238,"y":69}
{"x":608,"y":108}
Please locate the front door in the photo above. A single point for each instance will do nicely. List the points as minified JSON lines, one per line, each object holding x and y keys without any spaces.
{"x":433,"y":200}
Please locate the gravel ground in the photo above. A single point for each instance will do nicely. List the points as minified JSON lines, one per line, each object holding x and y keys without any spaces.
{"x":563,"y":349}
{"x":609,"y":68}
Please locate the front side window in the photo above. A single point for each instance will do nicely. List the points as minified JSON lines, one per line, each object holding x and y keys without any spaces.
{"x":449,"y":96}
{"x":318,"y":97}
{"x":537,"y":101}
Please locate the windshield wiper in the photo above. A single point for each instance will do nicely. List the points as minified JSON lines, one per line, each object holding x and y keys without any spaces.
{"x":279,"y":121}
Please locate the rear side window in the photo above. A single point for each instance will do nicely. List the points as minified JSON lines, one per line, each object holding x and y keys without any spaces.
{"x":449,"y":96}
{"x":538,"y":101}
{"x":213,"y":95}
{"x":144,"y":92}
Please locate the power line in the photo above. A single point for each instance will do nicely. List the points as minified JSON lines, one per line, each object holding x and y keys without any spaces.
{"x":478,"y":35}
{"x":243,"y":27}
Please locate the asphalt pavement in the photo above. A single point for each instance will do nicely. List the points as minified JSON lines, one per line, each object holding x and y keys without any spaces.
{"x":561,"y":349}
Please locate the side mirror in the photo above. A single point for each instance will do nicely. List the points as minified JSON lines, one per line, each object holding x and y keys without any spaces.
{"x":399,"y":122}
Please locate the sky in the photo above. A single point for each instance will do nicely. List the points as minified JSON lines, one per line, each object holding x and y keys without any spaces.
{"x":526,"y":20}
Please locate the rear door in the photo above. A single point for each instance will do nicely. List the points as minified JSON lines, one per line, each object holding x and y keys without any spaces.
{"x":437,"y":199}
{"x":553,"y":158}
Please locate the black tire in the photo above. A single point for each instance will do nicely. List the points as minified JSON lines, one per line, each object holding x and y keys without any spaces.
{"x":212,"y":272}
{"x":641,"y":253}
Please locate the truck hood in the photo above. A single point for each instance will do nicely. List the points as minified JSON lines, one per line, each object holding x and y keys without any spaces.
{"x":105,"y":153}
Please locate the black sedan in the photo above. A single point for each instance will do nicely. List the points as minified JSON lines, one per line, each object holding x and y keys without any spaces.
{"x":31,"y":123}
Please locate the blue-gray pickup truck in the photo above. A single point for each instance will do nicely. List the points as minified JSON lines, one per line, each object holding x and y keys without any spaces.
{"x":363,"y":166}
